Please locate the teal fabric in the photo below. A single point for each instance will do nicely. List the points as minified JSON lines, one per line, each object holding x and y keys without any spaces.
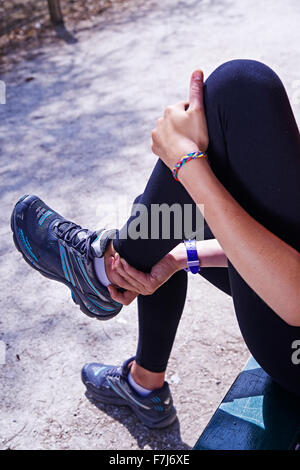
{"x":256,"y":414}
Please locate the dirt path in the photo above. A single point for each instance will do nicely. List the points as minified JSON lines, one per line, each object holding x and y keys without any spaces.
{"x":68,"y":108}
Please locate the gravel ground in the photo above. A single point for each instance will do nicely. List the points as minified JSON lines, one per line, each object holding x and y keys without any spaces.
{"x":69,"y":106}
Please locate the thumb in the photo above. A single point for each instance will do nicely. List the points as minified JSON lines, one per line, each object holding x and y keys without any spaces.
{"x":196,"y":90}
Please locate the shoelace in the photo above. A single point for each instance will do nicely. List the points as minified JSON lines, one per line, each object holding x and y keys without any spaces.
{"x":114,"y":372}
{"x":69,"y":236}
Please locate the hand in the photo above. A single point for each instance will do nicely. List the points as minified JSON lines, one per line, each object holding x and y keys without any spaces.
{"x":137,"y":282}
{"x":183,"y":128}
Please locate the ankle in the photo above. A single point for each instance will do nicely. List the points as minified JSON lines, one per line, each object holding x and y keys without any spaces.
{"x":146,"y":378}
{"x":109,"y":253}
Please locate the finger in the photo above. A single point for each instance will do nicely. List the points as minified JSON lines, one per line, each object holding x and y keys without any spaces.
{"x":126,"y":278}
{"x":196,"y":90}
{"x":140,"y":276}
{"x":159,"y":121}
{"x":168,"y":111}
{"x":120,"y":269}
{"x":119,"y":280}
{"x":155,"y":150}
{"x":140,"y":280}
{"x":181,"y":106}
{"x":124,"y":298}
{"x":143,"y":279}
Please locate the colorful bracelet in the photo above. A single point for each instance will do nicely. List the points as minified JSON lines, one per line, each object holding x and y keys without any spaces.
{"x":184,"y":160}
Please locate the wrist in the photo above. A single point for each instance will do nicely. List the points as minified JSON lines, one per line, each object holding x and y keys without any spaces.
{"x":178,"y":257}
{"x":199,"y":166}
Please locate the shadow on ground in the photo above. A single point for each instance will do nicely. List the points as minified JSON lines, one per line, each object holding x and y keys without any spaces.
{"x":155,"y":439}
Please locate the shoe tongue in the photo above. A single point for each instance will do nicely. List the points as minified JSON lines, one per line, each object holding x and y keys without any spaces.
{"x":99,"y":244}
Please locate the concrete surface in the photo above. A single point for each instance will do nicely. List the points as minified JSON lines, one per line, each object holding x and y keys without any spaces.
{"x":76,"y":130}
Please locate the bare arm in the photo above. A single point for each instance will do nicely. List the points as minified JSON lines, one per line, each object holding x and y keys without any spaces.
{"x":269,"y":265}
{"x":210,"y":254}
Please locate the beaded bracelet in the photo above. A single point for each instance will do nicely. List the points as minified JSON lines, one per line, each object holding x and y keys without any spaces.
{"x":184,"y":160}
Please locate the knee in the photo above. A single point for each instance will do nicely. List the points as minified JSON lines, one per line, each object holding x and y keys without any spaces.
{"x":137,"y":199}
{"x":243,"y":78}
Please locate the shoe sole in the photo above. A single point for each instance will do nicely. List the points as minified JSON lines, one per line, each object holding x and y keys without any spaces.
{"x":74,"y":294}
{"x":118,"y":401}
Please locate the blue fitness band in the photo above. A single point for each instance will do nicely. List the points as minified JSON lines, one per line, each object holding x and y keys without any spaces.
{"x":193,"y":264}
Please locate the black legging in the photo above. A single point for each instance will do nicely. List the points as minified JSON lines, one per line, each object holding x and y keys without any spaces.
{"x":254,"y":151}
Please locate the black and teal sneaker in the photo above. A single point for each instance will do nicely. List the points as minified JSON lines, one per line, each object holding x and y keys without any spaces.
{"x":63,"y":251}
{"x":109,"y":385}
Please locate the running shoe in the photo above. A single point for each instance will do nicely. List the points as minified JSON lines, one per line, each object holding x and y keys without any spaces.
{"x":62,"y":250}
{"x":109,"y":385}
